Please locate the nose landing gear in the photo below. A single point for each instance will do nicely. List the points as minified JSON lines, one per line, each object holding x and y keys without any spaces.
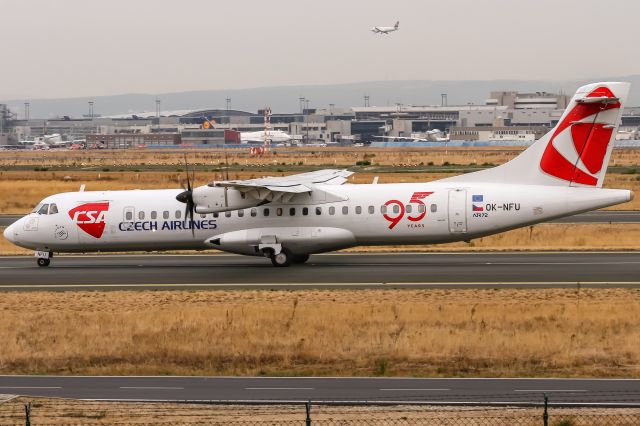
{"x":43,"y":258}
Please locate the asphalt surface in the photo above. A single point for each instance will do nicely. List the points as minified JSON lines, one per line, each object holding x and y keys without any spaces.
{"x":412,"y":270}
{"x":598,"y":216}
{"x":317,"y":389}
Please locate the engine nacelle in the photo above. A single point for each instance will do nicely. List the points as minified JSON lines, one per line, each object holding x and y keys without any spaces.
{"x":214,"y":199}
{"x":299,"y":240}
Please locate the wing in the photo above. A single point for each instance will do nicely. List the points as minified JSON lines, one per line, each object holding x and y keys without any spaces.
{"x":286,"y":187}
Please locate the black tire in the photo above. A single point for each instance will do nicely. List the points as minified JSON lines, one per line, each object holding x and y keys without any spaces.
{"x":43,"y":262}
{"x":300,"y":258}
{"x":282,"y":259}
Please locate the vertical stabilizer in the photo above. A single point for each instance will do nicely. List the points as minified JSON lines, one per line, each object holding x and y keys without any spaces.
{"x":576,"y":151}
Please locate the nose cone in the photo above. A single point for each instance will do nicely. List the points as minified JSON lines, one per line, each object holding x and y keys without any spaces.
{"x":8,"y":234}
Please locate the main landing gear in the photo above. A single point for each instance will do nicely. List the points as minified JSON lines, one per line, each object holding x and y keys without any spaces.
{"x":43,"y":258}
{"x":286,"y":258}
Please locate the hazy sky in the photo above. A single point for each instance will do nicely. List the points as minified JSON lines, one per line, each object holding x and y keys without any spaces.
{"x":70,"y":48}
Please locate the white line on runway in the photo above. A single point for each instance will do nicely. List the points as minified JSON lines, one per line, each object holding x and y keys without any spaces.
{"x":30,"y":387}
{"x":550,"y":390}
{"x":279,"y":388}
{"x":152,"y":387}
{"x":414,"y":389}
{"x":315,"y":284}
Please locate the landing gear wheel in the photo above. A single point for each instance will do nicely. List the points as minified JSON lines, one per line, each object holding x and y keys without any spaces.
{"x":300,"y":258}
{"x":284,"y":258}
{"x":43,"y":262}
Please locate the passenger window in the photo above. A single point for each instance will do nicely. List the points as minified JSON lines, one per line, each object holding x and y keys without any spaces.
{"x":265,"y":212}
{"x":279,"y":211}
{"x":227,"y":214}
{"x":434,"y":208}
{"x":408,"y":208}
{"x":216,"y":214}
{"x":53,"y":209}
{"x":154,"y":215}
{"x":358,"y":209}
{"x":305,"y":211}
{"x":318,"y":211}
{"x":383,"y":209}
{"x":292,"y":211}
{"x":128,"y":216}
{"x":165,"y":214}
{"x":396,"y":208}
{"x":178,"y":214}
{"x":332,"y":210}
{"x":254,"y":212}
{"x":44,"y":209}
{"x":202,"y":216}
{"x":345,"y":210}
{"x":371,"y":209}
{"x":140,"y":215}
{"x":240,"y":213}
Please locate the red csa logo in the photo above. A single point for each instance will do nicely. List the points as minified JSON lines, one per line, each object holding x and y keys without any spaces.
{"x":90,"y":217}
{"x":416,"y":198}
{"x":589,"y":141}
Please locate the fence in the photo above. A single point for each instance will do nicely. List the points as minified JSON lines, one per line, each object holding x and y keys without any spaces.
{"x":59,"y":412}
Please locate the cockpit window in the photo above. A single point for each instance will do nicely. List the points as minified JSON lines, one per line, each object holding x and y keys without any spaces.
{"x":36,"y":209}
{"x":53,"y":208}
{"x":44,"y":209}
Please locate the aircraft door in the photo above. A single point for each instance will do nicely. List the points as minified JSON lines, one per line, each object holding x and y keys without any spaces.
{"x":457,"y":211}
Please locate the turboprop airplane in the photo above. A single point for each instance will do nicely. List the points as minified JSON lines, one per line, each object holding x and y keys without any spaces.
{"x":288,"y":218}
{"x":386,"y":30}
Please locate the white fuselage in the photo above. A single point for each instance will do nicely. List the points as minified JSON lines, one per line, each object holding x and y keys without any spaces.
{"x":274,"y":136}
{"x":416,"y":213}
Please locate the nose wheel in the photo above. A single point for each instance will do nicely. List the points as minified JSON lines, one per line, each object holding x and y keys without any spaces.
{"x":43,"y":258}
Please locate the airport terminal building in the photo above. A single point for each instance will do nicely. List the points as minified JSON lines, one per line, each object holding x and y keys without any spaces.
{"x":505,"y":115}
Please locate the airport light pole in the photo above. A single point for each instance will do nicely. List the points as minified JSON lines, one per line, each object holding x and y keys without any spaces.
{"x":228,"y":104}
{"x":91,"y":110}
{"x":27,"y":110}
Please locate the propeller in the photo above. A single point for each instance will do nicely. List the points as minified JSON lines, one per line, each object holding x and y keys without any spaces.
{"x":226,"y":168}
{"x":186,"y":197}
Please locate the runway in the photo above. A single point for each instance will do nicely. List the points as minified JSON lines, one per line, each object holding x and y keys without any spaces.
{"x":413,"y":270}
{"x":598,"y":216}
{"x":319,"y":389}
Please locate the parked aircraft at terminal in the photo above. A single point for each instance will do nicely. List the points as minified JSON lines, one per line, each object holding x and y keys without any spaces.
{"x":289,"y":218}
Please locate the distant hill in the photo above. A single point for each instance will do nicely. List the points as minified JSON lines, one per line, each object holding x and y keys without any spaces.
{"x":286,"y":98}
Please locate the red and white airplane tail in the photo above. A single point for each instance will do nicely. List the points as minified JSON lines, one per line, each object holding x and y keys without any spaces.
{"x":576,"y":151}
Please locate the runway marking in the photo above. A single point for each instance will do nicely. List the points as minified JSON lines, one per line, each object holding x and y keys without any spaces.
{"x":550,"y":390}
{"x":152,"y":387}
{"x":30,"y":387}
{"x":332,"y":284}
{"x":414,"y":389}
{"x":279,"y":388}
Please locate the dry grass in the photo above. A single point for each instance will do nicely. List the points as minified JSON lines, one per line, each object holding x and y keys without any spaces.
{"x":501,"y":333}
{"x":306,"y":156}
{"x":68,"y":412}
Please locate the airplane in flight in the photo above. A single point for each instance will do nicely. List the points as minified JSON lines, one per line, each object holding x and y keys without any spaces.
{"x":288,"y":218}
{"x":386,"y":30}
